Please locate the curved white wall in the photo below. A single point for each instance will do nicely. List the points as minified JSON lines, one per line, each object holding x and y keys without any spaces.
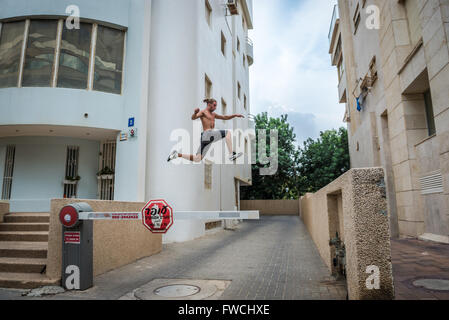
{"x":183,"y":49}
{"x":173,"y":96}
{"x":57,"y":106}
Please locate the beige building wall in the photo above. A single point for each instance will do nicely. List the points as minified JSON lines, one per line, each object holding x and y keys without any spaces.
{"x":393,"y":129}
{"x":116,"y":243}
{"x":354,"y":206}
{"x":272,"y":207}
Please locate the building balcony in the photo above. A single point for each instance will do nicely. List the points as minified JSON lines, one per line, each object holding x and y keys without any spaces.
{"x":59,"y":112}
{"x":342,"y":96}
{"x":334,"y":27}
{"x":59,"y":83}
{"x":247,"y":6}
{"x":250,"y":51}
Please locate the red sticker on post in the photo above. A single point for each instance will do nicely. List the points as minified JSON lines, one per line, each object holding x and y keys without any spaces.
{"x":72,"y":237}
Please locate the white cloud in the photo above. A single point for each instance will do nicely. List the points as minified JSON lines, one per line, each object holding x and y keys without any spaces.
{"x":292,"y":72}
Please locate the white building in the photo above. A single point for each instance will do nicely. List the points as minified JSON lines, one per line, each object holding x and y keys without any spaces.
{"x":69,"y":97}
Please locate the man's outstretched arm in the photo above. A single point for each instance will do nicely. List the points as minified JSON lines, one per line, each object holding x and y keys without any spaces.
{"x":220,"y":117}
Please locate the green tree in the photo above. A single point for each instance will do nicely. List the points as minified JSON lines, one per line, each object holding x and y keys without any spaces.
{"x":300,"y":170}
{"x":284,"y":183}
{"x":324,"y":160}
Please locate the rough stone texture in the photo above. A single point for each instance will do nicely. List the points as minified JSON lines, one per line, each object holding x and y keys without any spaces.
{"x":367,"y":234}
{"x":272,"y":207}
{"x":366,"y":231}
{"x":4,"y":209}
{"x":270,"y":258}
{"x":116,"y":243}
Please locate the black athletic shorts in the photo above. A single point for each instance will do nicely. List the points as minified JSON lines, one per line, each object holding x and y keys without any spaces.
{"x":209,"y":137}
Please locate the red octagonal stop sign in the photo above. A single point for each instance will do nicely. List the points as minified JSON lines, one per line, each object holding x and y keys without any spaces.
{"x":157,"y":216}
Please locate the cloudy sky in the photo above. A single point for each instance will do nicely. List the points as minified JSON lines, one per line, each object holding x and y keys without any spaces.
{"x":292,"y":72}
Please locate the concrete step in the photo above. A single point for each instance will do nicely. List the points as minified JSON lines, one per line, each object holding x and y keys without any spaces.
{"x":23,"y":249}
{"x":30,"y":226}
{"x":22,"y":265}
{"x":38,"y":236}
{"x":27,"y":217}
{"x":25,"y":280}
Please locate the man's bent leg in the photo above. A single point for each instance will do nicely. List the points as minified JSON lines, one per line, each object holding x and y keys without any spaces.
{"x":191,"y":157}
{"x":229,"y":141}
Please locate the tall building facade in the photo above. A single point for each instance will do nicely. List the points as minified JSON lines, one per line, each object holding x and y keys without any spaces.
{"x":93,"y":112}
{"x":393,"y":69}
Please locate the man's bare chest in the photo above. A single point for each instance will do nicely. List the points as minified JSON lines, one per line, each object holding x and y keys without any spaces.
{"x":209,"y":118}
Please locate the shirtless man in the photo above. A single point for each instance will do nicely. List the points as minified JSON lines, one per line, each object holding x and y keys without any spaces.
{"x":209,"y":135}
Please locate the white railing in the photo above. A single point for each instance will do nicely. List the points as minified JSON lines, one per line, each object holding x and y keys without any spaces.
{"x":335,"y":16}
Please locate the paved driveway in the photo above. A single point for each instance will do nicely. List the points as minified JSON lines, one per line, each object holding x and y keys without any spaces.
{"x":273,"y":258}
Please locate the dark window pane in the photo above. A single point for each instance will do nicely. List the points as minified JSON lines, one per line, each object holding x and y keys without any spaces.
{"x":40,"y":53}
{"x":74,"y":58}
{"x":429,"y":113}
{"x":10,"y":50}
{"x":109,"y":60}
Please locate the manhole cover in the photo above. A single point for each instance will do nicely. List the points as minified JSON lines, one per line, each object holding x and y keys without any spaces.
{"x":177,"y":291}
{"x":432,"y":284}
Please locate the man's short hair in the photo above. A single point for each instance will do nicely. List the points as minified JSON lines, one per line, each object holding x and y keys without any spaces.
{"x":209,"y":100}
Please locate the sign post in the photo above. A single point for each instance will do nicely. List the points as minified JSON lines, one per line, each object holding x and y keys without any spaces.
{"x":77,"y":247}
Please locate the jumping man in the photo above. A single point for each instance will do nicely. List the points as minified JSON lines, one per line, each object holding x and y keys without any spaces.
{"x":209,"y":134}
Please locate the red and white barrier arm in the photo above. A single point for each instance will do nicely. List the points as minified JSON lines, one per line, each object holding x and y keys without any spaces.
{"x":177,"y":215}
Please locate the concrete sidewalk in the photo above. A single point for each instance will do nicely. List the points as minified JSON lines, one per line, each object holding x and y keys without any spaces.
{"x":416,"y":260}
{"x":273,"y":258}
